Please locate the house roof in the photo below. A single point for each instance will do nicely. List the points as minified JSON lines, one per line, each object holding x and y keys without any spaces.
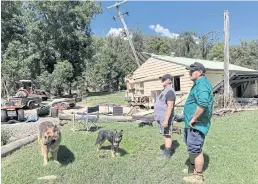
{"x":212,"y":65}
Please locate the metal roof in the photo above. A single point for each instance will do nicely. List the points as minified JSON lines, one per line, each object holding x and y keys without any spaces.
{"x":236,"y":79}
{"x":212,"y":65}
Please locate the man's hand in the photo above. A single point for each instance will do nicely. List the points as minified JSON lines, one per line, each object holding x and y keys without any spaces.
{"x":191,"y":123}
{"x":165,"y":124}
{"x":198,"y":112}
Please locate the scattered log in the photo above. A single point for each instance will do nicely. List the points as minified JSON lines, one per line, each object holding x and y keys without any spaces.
{"x":6,"y":149}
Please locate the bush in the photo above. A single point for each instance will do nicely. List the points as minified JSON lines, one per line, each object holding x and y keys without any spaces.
{"x":5,"y":136}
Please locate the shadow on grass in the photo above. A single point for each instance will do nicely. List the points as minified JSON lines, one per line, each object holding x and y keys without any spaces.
{"x":206,"y":161}
{"x":65,"y":156}
{"x":120,"y":150}
{"x":92,"y":129}
{"x":175,"y":145}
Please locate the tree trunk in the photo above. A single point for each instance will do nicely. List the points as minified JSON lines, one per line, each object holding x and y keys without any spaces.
{"x":70,"y":88}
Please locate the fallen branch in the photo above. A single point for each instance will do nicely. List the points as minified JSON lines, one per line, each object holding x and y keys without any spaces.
{"x":231,"y":110}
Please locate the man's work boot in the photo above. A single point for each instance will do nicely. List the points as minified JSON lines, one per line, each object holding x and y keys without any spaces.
{"x":190,"y":169}
{"x":166,"y":154}
{"x":194,"y":178}
{"x":161,"y":152}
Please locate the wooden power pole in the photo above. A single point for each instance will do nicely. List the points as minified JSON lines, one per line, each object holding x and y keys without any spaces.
{"x":226,"y":58}
{"x":120,"y":15}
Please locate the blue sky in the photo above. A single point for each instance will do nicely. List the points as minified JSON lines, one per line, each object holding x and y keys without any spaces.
{"x":166,"y":18}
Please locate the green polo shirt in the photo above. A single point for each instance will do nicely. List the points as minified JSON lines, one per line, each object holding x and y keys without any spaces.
{"x":201,"y":94}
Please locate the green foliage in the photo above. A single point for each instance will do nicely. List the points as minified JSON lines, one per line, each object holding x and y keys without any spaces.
{"x":5,"y":136}
{"x":187,"y":43}
{"x":45,"y":80}
{"x":245,"y":54}
{"x":37,"y":35}
{"x":159,"y":45}
{"x":217,"y":52}
{"x":15,"y":64}
{"x":62,"y":77}
{"x":11,"y":22}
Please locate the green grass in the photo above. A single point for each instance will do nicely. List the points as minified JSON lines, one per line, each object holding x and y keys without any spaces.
{"x":231,"y":156}
{"x":105,"y":98}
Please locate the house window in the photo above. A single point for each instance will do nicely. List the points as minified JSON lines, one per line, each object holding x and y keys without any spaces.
{"x":141,"y":84}
{"x":253,"y":82}
{"x":177,"y":83}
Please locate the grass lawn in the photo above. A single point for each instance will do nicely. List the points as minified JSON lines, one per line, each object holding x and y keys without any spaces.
{"x":105,"y":98}
{"x":231,"y":151}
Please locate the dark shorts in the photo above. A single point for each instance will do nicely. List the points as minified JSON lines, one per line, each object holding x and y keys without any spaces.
{"x":194,"y":140}
{"x":167,"y":130}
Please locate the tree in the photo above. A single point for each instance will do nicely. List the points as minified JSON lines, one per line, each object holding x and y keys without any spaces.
{"x":46,"y":33}
{"x":15,"y":65}
{"x":62,"y":77}
{"x":245,"y":54}
{"x":206,"y":42}
{"x":159,"y":45}
{"x":61,"y":31}
{"x":11,"y":22}
{"x":186,"y":42}
{"x":45,"y":80}
{"x":137,"y":38}
{"x":217,"y":52}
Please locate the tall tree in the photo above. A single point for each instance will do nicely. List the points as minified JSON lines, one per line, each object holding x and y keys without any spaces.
{"x":61,"y":31}
{"x":11,"y":22}
{"x":187,"y":42}
{"x":206,"y":42}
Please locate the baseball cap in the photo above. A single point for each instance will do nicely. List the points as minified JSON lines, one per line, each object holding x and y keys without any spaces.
{"x":166,"y":76}
{"x":196,"y":66}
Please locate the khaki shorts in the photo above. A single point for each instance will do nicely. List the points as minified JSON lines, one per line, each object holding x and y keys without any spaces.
{"x":167,"y":130}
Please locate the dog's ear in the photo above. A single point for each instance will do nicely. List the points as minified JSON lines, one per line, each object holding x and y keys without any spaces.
{"x":121,"y":131}
{"x":55,"y":128}
{"x":56,"y":131}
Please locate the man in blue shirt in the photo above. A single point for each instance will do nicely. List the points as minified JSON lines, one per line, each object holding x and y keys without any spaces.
{"x":197,"y":116}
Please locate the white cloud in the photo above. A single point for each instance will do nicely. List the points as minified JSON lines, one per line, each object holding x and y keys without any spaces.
{"x":118,"y":32}
{"x":163,"y":31}
{"x":115,"y":32}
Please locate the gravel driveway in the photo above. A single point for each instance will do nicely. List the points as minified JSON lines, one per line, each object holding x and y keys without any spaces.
{"x":21,"y":130}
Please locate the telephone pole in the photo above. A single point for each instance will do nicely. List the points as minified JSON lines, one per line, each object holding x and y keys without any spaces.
{"x":120,"y":15}
{"x":226,"y":58}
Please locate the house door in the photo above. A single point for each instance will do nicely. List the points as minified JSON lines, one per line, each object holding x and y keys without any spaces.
{"x":239,"y":91}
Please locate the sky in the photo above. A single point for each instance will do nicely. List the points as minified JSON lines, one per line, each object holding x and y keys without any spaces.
{"x":168,"y":18}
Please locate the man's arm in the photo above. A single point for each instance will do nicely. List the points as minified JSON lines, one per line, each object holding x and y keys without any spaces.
{"x":170,"y":98}
{"x":202,"y":98}
{"x":169,"y":110}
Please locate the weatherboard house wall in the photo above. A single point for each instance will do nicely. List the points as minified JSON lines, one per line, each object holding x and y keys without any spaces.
{"x":147,"y":83}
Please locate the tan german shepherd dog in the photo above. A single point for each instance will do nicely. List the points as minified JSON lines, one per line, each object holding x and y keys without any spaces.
{"x":49,"y":138}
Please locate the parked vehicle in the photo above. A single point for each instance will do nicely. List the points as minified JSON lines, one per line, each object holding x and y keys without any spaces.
{"x":11,"y":111}
{"x":29,"y":88}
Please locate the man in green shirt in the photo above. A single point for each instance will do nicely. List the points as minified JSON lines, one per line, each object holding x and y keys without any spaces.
{"x":197,"y":116}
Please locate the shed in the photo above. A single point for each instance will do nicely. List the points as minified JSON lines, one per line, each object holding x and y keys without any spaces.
{"x":144,"y":85}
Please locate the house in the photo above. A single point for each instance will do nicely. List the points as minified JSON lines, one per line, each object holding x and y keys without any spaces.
{"x":143,"y":86}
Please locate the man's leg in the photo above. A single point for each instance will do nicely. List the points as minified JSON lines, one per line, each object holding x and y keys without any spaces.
{"x":166,"y":153}
{"x":168,"y":141}
{"x":199,"y":161}
{"x":195,"y":141}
